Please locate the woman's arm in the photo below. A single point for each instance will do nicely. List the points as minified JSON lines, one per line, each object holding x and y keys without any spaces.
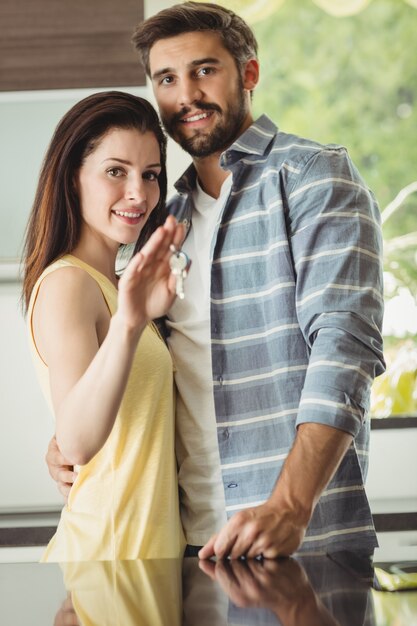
{"x":88,"y":379}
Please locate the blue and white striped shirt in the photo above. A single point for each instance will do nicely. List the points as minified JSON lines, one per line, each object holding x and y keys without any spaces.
{"x":296,"y":316}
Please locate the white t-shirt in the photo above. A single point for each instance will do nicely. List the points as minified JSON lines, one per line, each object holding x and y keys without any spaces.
{"x":203,"y":508}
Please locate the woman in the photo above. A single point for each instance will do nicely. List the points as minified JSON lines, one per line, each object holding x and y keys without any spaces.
{"x":101,"y":362}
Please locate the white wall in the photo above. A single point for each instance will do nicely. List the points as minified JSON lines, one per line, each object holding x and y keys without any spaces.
{"x":26,"y":424}
{"x":392,"y":479}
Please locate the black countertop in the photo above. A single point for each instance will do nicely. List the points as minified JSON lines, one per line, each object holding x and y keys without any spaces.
{"x":332,"y":590}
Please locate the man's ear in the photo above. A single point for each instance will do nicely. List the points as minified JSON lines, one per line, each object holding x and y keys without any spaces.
{"x":250,"y":74}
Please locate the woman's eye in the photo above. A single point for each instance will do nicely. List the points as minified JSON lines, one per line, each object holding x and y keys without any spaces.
{"x":151,"y":176}
{"x":115,"y":171}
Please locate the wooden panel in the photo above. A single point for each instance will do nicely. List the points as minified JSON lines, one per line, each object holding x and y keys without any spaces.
{"x":56,"y":44}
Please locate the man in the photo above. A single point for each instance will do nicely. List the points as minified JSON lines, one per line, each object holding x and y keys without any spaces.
{"x":278,"y":339}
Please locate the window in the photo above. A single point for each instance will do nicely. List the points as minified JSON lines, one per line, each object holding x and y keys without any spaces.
{"x":345,"y":72}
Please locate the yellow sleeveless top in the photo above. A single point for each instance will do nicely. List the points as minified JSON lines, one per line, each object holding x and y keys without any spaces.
{"x":126,"y":593}
{"x":124,"y":502}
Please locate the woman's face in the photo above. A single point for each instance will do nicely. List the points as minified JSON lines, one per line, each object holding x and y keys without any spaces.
{"x":118,"y":185}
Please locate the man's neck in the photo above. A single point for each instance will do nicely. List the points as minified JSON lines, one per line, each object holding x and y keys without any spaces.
{"x":210,"y":175}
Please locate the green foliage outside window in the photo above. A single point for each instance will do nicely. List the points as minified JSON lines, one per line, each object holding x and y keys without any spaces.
{"x":353,"y":81}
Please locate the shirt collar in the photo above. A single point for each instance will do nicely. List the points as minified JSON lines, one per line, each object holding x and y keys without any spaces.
{"x":255,"y":140}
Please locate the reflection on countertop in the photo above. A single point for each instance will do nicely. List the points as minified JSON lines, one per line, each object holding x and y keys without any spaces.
{"x":332,"y":590}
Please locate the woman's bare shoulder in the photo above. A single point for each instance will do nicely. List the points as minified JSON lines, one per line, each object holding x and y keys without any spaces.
{"x":69,"y":305}
{"x":69,"y":285}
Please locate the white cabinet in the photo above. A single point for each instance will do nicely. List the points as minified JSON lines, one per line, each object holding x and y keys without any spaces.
{"x":392,"y":478}
{"x":26,"y":424}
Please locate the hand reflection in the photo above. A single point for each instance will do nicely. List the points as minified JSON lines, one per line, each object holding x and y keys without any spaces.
{"x":281,"y":586}
{"x":66,"y":615}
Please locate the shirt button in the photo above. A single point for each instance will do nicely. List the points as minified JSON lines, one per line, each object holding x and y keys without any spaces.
{"x":226,"y":433}
{"x":220,"y":380}
{"x":232,"y":485}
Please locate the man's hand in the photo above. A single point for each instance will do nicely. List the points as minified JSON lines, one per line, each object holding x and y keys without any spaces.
{"x":252,"y":583}
{"x":280,"y":586}
{"x":59,"y":469}
{"x":264,"y":529}
{"x":66,"y":615}
{"x":277,"y":527}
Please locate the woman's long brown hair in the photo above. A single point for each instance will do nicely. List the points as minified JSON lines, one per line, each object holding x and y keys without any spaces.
{"x":54,"y":224}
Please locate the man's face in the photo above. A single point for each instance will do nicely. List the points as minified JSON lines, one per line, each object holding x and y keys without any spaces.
{"x":200,"y":93}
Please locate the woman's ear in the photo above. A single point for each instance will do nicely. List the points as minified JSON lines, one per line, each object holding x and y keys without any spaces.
{"x":251,"y":74}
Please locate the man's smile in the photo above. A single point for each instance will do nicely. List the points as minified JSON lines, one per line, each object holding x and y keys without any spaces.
{"x":196,"y":117}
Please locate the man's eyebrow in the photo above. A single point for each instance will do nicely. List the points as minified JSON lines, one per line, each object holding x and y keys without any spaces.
{"x":195,"y":63}
{"x":211,"y":60}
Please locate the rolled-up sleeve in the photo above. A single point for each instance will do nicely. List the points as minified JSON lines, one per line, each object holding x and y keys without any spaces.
{"x":336,"y":243}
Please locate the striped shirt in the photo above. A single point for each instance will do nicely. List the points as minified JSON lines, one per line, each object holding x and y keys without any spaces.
{"x":296,"y":314}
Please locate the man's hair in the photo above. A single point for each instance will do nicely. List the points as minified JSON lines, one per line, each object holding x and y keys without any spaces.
{"x":236,"y":36}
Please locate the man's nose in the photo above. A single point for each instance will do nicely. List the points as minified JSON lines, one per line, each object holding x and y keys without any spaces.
{"x":189,"y":92}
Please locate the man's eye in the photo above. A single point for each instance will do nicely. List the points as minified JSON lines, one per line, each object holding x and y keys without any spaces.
{"x":166,"y":80}
{"x":205,"y":71}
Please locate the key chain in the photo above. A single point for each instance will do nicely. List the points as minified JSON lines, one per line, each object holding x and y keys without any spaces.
{"x":179,"y":264}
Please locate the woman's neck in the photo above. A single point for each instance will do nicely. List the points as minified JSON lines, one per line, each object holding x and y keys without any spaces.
{"x":98,"y":256}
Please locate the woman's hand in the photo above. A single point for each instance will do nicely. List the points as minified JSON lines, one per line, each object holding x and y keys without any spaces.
{"x":147,"y":286}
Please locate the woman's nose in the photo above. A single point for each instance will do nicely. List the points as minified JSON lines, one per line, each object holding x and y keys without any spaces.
{"x":135,"y":189}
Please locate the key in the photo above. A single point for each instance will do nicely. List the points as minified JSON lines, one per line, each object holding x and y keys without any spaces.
{"x":179,"y":263}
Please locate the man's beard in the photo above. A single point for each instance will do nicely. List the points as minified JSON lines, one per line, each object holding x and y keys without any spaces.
{"x":224,"y":133}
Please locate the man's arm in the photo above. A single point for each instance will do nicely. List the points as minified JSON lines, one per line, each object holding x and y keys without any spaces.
{"x":277,"y":527}
{"x":66,"y":615}
{"x":335,"y":238}
{"x":60,"y":470}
